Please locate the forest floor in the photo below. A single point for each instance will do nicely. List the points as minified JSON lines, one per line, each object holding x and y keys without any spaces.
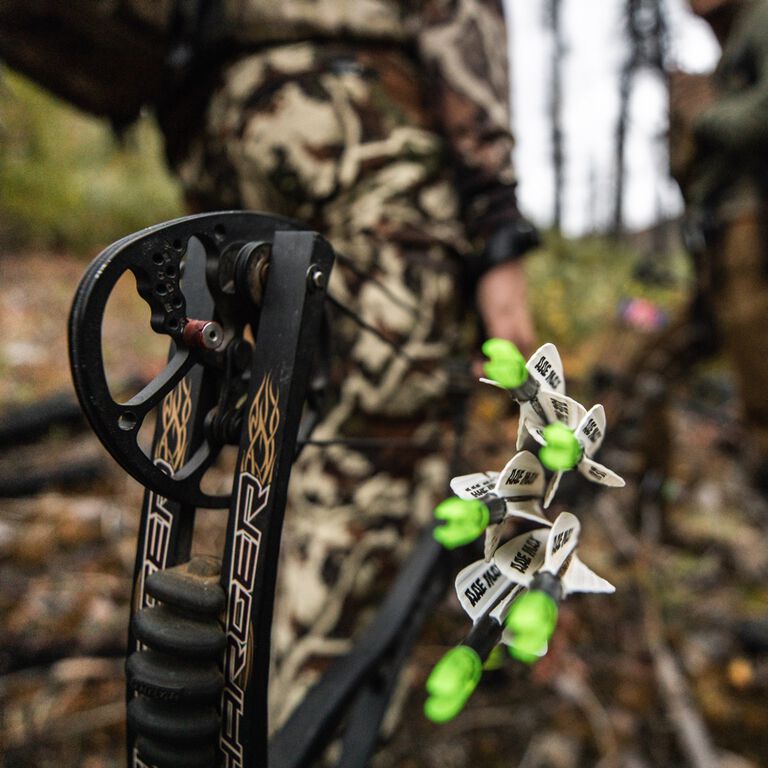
{"x":671,"y":670}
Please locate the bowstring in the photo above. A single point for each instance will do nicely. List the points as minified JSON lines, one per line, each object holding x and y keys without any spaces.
{"x":458,"y":384}
{"x":352,"y":266}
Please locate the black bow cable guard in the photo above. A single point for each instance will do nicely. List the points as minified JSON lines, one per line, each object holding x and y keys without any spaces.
{"x":197,"y":691}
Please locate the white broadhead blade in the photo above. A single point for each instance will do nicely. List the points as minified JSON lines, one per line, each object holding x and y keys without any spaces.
{"x":537,"y":433}
{"x":560,"y":407}
{"x":527,"y":420}
{"x":557,"y":408}
{"x":591,"y":430}
{"x":526,"y":510}
{"x":492,"y":537}
{"x":554,"y":484}
{"x":597,"y":473}
{"x":562,"y":542}
{"x":520,"y":558}
{"x":500,"y":611}
{"x":478,"y":586}
{"x":516,"y":510}
{"x":546,"y":367}
{"x":522,"y":429}
{"x":522,"y":476}
{"x":580,"y":578}
{"x":474,"y":486}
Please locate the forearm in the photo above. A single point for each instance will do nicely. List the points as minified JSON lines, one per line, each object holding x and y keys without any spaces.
{"x":502,"y":302}
{"x":738,"y":124}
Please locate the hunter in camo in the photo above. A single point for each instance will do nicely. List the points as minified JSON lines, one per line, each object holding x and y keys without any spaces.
{"x":719,"y":155}
{"x":385,"y":126}
{"x":387,"y":131}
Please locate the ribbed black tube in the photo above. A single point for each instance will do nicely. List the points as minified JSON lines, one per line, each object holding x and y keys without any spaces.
{"x":176,"y":677}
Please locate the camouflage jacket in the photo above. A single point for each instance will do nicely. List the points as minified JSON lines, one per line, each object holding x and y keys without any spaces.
{"x":460,"y":46}
{"x":732,"y":133}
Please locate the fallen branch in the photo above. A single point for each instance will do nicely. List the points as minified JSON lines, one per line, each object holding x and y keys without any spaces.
{"x":571,"y":686}
{"x":690,"y":729}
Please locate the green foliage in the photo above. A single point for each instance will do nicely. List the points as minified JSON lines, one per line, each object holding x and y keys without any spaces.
{"x":576,"y":285}
{"x":67,"y":181}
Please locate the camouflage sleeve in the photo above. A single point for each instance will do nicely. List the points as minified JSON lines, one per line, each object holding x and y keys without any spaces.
{"x":463,"y":47}
{"x":738,"y":122}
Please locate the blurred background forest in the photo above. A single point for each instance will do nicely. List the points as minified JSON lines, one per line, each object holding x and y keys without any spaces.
{"x":671,"y":671}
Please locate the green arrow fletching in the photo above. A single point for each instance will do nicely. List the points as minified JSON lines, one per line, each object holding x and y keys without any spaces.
{"x":505,"y":364}
{"x":451,"y":683}
{"x":531,"y":620}
{"x":495,"y":660}
{"x":464,"y":520}
{"x":562,"y":451}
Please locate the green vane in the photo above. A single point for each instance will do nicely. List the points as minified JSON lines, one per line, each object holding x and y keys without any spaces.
{"x":531,"y":620}
{"x":464,"y":520}
{"x":562,"y":450}
{"x":451,"y":683}
{"x":505,"y":363}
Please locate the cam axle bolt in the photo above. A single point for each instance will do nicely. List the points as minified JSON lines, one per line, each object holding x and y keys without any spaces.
{"x":203,"y":334}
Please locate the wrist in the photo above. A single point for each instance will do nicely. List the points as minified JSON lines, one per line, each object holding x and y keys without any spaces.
{"x":508,"y":243}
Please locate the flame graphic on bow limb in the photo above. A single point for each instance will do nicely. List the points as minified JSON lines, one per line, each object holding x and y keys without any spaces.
{"x":263,"y":421}
{"x":174,"y":419}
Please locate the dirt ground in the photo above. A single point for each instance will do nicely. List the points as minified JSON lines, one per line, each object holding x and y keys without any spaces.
{"x":670,"y":671}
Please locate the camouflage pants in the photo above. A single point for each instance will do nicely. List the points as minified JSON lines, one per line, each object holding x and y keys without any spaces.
{"x":741,"y":305}
{"x":340,"y":139}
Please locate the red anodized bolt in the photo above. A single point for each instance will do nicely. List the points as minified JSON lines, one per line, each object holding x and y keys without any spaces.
{"x":203,"y":334}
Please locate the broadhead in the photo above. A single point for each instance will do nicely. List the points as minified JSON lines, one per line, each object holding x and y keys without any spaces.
{"x":505,"y":364}
{"x":451,"y":683}
{"x":464,"y":520}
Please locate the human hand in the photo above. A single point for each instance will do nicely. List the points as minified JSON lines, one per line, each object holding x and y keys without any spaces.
{"x":502,"y":299}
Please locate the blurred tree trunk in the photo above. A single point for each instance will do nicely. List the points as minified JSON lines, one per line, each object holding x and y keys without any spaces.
{"x":554,"y":23}
{"x":645,"y":28}
{"x":625,"y":93}
{"x":592,"y":215}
